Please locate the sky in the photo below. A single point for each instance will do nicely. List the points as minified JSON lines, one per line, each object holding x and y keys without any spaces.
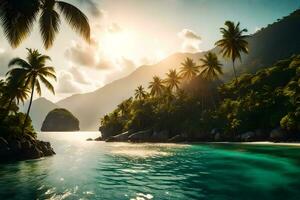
{"x":129,"y":33}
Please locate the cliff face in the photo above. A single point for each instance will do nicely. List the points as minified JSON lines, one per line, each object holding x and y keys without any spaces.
{"x":60,"y":120}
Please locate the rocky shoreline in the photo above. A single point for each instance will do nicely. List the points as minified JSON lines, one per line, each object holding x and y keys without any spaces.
{"x":24,"y":149}
{"x":216,"y":135}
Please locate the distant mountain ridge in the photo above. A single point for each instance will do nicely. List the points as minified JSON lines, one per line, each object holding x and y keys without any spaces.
{"x":277,"y":41}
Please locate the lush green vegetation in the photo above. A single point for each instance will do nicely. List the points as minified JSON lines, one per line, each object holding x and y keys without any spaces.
{"x":21,"y":83}
{"x":194,"y":102}
{"x":265,"y":100}
{"x":26,"y":76}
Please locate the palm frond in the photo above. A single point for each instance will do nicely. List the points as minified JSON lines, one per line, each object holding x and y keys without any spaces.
{"x":77,"y":20}
{"x":49,"y":26}
{"x":20,"y":62}
{"x":17,"y":18}
{"x":48,"y":85}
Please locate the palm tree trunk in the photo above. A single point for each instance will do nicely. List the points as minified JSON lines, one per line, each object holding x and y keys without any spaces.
{"x":236,"y":80}
{"x":29,"y":106}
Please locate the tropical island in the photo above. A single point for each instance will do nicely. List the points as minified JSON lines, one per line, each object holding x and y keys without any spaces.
{"x":149,"y":99}
{"x":18,"y":139}
{"x":194,"y":105}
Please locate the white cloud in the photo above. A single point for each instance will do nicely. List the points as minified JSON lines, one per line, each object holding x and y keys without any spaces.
{"x":256,"y":29}
{"x":189,"y":34}
{"x":67,"y":84}
{"x":79,"y":75}
{"x":83,"y":55}
{"x":114,"y":28}
{"x":190,"y":41}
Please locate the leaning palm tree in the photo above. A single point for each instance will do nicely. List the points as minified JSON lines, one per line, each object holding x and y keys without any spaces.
{"x":156,"y":86}
{"x":189,"y":69}
{"x":233,"y":43}
{"x":18,"y":19}
{"x":140,"y":93}
{"x":33,"y":72}
{"x":173,"y":80}
{"x":211,"y":67}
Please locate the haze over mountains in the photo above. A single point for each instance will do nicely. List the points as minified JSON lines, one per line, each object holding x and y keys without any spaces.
{"x":277,"y":41}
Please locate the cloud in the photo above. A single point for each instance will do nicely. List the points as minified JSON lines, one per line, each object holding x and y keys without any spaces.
{"x":190,"y":41}
{"x":79,"y":75}
{"x":114,"y":28}
{"x":81,"y":55}
{"x":189,"y":34}
{"x":127,"y":64}
{"x":105,"y":64}
{"x":67,"y":84}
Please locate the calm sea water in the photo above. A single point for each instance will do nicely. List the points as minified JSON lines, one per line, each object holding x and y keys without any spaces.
{"x":117,"y":171}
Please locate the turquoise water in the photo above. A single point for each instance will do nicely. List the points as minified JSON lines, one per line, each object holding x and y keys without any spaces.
{"x":117,"y":171}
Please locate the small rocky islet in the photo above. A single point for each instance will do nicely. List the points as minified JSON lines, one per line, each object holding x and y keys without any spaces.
{"x":60,"y":120}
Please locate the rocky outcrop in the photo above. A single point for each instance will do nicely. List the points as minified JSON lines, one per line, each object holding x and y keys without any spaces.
{"x":277,"y":135}
{"x":60,"y":120}
{"x":177,"y":139}
{"x":120,"y":138}
{"x":24,"y":149}
{"x":248,"y":137}
{"x":141,"y":136}
{"x":160,"y":136}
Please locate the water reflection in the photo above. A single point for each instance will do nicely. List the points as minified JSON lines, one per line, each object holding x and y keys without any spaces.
{"x":98,"y":170}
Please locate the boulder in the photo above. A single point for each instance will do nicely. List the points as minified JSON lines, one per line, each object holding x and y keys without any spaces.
{"x":4,"y":148}
{"x":3,"y":143}
{"x":32,"y":153}
{"x":89,"y":139}
{"x":123,"y":137}
{"x":214,"y":131}
{"x":161,"y":136}
{"x":60,"y":120}
{"x":218,"y":137}
{"x":141,"y":136}
{"x":248,"y":136}
{"x":107,"y":132}
{"x":278,"y":135}
{"x":98,"y":139}
{"x":177,"y":138}
{"x":15,"y":145}
{"x":26,"y":145}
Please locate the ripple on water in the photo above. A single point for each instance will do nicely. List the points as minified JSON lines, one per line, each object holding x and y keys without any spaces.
{"x":113,"y":171}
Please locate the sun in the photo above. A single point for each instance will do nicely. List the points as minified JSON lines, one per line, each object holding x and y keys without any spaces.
{"x":120,"y":44}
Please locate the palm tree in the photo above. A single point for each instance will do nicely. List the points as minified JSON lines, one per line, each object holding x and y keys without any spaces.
{"x":140,"y":93}
{"x":13,"y":90}
{"x":124,"y":106}
{"x":211,"y":67}
{"x":33,"y":72}
{"x":156,"y":86}
{"x":18,"y":18}
{"x":173,"y":80}
{"x":189,"y":69}
{"x":233,"y":42}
